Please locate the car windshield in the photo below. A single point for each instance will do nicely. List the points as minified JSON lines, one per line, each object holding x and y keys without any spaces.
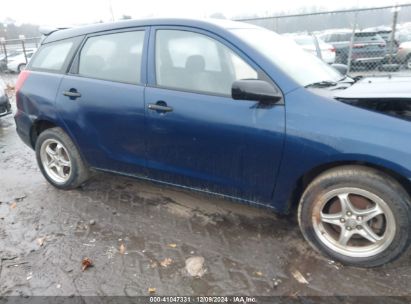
{"x":298,"y":64}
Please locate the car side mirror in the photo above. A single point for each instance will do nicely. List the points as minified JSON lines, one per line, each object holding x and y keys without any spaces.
{"x":342,"y":68}
{"x":253,"y":89}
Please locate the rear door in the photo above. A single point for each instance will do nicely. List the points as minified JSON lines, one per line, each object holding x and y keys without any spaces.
{"x":199,"y":136}
{"x":101,"y":100}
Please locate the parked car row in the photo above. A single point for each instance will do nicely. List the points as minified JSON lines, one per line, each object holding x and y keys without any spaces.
{"x":15,"y":60}
{"x":368,"y":47}
{"x":371,"y":47}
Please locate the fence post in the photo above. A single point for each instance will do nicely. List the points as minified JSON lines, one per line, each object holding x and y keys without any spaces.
{"x":3,"y":44}
{"x":395,"y":11}
{"x":21,"y":37}
{"x":352,"y":42}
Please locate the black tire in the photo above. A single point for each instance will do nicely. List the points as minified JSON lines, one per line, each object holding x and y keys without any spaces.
{"x":21,"y":67}
{"x":371,"y":181}
{"x":79,"y":172}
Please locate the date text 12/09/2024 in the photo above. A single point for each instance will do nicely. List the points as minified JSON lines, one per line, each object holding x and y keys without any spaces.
{"x":203,"y":299}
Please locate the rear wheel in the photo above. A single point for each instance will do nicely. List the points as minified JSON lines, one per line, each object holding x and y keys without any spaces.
{"x":358,"y":216}
{"x":59,"y":160}
{"x":21,"y":67}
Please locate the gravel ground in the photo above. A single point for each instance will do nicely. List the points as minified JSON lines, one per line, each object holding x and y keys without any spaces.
{"x":139,"y":236}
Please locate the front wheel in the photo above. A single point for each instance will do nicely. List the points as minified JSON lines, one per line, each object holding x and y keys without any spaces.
{"x":59,"y":160}
{"x":356,"y":215}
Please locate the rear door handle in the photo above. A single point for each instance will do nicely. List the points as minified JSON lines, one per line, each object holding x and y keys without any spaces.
{"x":72,"y":94}
{"x":161,"y":107}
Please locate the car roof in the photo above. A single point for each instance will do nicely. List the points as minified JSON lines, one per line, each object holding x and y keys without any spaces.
{"x":209,"y":24}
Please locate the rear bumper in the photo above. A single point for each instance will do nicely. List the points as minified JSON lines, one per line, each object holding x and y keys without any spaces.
{"x":23,"y":127}
{"x":368,"y":59}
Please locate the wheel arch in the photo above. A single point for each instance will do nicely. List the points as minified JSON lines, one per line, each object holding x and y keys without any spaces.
{"x":310,"y":175}
{"x":42,"y":124}
{"x":39,"y":126}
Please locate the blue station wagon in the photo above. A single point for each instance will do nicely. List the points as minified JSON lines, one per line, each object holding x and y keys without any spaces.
{"x":230,"y":109}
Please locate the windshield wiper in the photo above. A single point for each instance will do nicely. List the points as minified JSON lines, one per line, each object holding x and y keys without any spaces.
{"x":321,"y":84}
{"x":347,"y":79}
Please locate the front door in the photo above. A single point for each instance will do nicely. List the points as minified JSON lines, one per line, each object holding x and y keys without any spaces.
{"x":199,"y":136}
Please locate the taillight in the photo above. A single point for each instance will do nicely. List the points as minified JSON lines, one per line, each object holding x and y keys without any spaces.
{"x":19,"y":84}
{"x":332,"y":49}
{"x":21,"y":79}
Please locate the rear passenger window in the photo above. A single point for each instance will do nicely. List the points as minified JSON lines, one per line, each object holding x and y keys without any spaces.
{"x":115,"y":57}
{"x":52,"y":56}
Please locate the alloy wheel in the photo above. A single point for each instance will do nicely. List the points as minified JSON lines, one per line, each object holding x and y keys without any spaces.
{"x":55,"y":160}
{"x":354,"y":222}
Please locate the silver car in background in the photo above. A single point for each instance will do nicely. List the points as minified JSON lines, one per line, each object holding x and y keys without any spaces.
{"x":315,"y":46}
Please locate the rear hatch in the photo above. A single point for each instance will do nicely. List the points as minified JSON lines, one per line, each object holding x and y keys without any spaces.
{"x":368,"y":45}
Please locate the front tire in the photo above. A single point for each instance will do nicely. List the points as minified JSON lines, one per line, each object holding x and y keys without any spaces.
{"x":356,"y":215}
{"x":59,"y":160}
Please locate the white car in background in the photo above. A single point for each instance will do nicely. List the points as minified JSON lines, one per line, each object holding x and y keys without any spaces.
{"x":18,"y":63}
{"x":316,"y":46}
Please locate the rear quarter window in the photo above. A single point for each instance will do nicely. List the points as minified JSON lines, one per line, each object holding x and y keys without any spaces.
{"x":52,"y":56}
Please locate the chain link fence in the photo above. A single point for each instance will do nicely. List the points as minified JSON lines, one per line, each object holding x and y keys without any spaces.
{"x":371,"y":40}
{"x":367,"y":41}
{"x":15,"y":53}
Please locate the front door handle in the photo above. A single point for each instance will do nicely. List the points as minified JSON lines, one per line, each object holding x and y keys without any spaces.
{"x":160,"y":106}
{"x":73,"y":94}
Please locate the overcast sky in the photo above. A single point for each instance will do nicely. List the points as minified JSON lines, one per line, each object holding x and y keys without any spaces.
{"x":71,"y":12}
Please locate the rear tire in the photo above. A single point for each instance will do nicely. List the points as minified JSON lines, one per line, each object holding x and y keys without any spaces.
{"x":21,"y":67}
{"x":356,"y":215}
{"x":59,"y":160}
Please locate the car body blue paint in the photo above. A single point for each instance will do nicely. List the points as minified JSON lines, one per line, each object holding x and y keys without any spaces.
{"x":36,"y":102}
{"x":323,"y":131}
{"x":210,"y":143}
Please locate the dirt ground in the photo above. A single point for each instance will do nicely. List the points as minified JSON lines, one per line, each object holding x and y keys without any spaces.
{"x":139,"y":236}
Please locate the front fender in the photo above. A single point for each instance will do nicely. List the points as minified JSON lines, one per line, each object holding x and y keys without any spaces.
{"x":321,"y":131}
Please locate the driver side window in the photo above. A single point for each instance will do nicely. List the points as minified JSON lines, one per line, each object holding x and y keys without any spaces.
{"x":194,"y":62}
